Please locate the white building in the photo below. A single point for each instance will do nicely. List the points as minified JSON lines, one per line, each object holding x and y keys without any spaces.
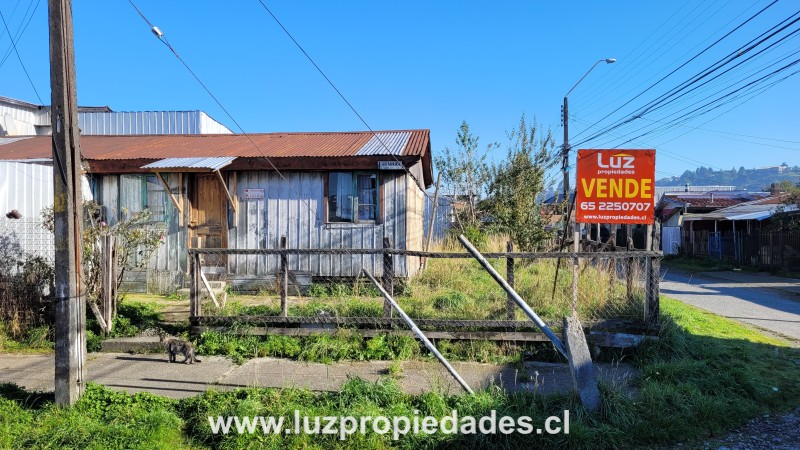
{"x":27,"y":185}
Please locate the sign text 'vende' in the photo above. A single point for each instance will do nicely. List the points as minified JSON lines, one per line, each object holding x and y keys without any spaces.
{"x":615,"y":186}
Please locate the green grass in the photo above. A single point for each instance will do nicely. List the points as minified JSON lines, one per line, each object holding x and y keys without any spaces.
{"x":705,"y":375}
{"x":33,"y":340}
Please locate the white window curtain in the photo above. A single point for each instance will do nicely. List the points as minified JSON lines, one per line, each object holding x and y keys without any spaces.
{"x":344,"y":196}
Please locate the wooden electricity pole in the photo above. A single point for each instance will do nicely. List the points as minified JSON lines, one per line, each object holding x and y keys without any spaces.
{"x":70,"y":310}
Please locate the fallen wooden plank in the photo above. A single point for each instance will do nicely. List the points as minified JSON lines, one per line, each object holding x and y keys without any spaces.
{"x":599,"y":339}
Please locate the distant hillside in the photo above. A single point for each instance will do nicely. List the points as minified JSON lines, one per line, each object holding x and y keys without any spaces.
{"x":758,"y":179}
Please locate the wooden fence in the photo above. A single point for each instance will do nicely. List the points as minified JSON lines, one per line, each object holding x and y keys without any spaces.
{"x":283,"y":323}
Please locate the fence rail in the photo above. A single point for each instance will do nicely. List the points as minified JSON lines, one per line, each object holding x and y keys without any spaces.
{"x":631,"y":280}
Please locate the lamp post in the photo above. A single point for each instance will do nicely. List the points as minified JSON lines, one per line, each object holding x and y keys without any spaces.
{"x":565,"y":150}
{"x":565,"y":167}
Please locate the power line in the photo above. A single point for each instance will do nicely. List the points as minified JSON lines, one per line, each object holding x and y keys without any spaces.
{"x":706,"y":108}
{"x":20,"y":31}
{"x":14,"y":45}
{"x":691,"y":80}
{"x":338,"y":92}
{"x":769,"y":65}
{"x":674,"y":41}
{"x":667,"y":153}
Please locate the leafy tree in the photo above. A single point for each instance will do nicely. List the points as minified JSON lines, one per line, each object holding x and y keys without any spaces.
{"x":465,"y":173}
{"x":514,"y":193}
{"x":137,"y":238}
{"x":787,"y":216}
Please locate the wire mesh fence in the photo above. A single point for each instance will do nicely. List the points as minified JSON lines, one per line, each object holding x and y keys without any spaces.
{"x":26,"y":235}
{"x":444,"y":285}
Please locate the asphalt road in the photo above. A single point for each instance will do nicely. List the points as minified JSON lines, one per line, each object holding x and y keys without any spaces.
{"x":773,"y":309}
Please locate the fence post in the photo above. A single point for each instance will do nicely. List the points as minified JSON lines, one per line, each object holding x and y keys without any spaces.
{"x":284,"y":277}
{"x":511,"y":306}
{"x":108,"y":279}
{"x":651,"y":306}
{"x":194,"y":288}
{"x":387,"y":280}
{"x":629,"y":263}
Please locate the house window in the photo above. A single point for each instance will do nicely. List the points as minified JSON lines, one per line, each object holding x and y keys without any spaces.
{"x":352,"y":196}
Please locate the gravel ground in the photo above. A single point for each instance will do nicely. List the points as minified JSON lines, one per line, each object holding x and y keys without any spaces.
{"x":770,"y":431}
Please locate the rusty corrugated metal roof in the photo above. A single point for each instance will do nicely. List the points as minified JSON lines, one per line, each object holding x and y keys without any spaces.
{"x":272,"y":145}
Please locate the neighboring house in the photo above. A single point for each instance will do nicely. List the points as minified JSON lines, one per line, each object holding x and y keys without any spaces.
{"x":332,"y":191}
{"x":27,"y":186}
{"x":675,"y":209}
{"x":743,"y":233}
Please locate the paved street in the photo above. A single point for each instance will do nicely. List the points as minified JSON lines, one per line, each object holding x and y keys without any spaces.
{"x":762,"y":300}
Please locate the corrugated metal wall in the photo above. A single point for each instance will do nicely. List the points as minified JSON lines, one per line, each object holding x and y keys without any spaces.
{"x":442,"y":222}
{"x":26,"y":187}
{"x":21,"y":121}
{"x":149,"y":122}
{"x":293,"y":208}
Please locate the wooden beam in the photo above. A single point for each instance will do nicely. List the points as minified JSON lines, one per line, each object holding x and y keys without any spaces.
{"x":615,"y":340}
{"x":207,"y":286}
{"x":178,"y":205}
{"x":235,"y":190}
{"x":225,"y":188}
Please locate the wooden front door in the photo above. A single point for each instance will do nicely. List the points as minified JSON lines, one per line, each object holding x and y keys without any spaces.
{"x":209,"y":225}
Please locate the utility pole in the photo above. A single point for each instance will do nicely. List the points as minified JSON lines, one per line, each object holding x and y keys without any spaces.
{"x":565,"y":150}
{"x":70,"y":308}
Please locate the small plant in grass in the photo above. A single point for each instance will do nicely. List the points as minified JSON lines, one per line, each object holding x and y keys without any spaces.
{"x":395,"y":369}
{"x":317,"y":290}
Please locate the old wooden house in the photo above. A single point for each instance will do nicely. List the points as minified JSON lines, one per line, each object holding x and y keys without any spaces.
{"x":339,"y":190}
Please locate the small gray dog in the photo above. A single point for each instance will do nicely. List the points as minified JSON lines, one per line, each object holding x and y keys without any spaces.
{"x":175,"y":346}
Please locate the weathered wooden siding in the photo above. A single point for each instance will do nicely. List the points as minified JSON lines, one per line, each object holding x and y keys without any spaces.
{"x":293,"y":207}
{"x":415,"y":213}
{"x":166,"y":268}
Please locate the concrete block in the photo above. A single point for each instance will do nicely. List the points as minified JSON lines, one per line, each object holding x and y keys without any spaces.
{"x":138,"y":344}
{"x":584,"y":379}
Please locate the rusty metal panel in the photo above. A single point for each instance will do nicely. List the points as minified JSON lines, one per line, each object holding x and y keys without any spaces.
{"x":273,"y":145}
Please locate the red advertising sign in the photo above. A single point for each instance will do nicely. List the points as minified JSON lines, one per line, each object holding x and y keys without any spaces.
{"x":615,"y":186}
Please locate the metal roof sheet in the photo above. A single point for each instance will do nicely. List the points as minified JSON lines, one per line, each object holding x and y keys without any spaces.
{"x":385,"y":144}
{"x":751,"y":211}
{"x":215,"y":163}
{"x":272,"y":145}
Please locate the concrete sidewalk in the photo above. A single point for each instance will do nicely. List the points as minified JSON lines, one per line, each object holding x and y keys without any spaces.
{"x":152,"y":373}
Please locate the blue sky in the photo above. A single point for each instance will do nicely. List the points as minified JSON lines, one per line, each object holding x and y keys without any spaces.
{"x":431,"y":65}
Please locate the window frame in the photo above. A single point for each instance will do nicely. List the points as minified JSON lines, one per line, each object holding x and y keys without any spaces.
{"x":354,"y":190}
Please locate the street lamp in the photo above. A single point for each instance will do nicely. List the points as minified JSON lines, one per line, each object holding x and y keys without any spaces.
{"x":565,"y":166}
{"x":566,"y":148}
